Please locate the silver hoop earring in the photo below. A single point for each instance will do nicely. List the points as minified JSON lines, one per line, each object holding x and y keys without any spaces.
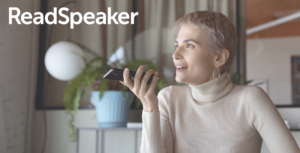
{"x":214,"y":75}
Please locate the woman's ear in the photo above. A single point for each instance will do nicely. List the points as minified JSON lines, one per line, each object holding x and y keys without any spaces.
{"x":221,"y":57}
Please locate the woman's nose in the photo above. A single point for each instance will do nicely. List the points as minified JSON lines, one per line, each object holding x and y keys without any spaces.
{"x":176,"y":55}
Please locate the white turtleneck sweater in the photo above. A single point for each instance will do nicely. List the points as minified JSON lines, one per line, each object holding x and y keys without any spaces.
{"x":210,"y":118}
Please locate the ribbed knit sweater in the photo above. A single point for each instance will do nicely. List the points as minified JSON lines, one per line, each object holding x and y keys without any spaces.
{"x":215,"y":118}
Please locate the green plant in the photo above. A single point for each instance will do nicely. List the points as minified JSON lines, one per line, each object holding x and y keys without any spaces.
{"x":92,"y":74}
{"x":237,"y":79}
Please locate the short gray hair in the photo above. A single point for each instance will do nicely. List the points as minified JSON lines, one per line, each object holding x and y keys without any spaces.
{"x":221,"y":33}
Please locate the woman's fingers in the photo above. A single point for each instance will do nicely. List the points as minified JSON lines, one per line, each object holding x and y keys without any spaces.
{"x":153,"y":83}
{"x":127,"y":81}
{"x":137,"y":79}
{"x":145,"y":79}
{"x":122,"y":83}
{"x":140,"y":89}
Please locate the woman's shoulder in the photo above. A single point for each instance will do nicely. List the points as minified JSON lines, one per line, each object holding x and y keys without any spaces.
{"x":247,"y":89}
{"x":251,"y":94}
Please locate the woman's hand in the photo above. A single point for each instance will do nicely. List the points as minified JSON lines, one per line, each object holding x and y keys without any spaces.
{"x":140,"y":89}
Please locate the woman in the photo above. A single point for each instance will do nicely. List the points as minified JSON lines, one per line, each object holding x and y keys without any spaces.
{"x":211,"y":114}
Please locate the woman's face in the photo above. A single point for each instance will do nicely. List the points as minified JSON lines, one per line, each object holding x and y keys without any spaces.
{"x":192,"y":52}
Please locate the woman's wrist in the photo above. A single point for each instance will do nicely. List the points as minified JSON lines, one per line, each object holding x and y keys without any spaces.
{"x":151,"y":109}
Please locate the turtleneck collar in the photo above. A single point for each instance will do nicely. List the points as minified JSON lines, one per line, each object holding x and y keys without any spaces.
{"x":209,"y":92}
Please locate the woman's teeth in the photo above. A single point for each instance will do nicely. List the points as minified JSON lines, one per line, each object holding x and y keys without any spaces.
{"x":180,"y":67}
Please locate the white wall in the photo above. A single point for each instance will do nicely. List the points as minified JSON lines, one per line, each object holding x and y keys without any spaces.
{"x":270,"y":58}
{"x":18,"y":47}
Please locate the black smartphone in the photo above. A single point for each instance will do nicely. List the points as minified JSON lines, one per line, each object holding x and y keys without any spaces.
{"x":117,"y":74}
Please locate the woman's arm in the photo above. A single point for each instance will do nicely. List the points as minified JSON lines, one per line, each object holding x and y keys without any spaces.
{"x":265,"y":117}
{"x":157,"y":135}
{"x":155,"y":112}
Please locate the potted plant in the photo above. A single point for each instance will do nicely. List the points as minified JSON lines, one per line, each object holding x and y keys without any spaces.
{"x":92,"y":74}
{"x":237,"y":79}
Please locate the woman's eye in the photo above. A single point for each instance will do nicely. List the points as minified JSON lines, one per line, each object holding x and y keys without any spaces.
{"x":189,"y":45}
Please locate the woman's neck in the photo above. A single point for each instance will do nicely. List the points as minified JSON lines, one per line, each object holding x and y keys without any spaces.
{"x":209,"y":92}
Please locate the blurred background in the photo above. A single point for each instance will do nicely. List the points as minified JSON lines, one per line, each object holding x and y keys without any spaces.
{"x":33,"y":102}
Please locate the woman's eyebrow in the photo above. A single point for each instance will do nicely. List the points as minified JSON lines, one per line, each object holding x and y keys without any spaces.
{"x":187,"y":40}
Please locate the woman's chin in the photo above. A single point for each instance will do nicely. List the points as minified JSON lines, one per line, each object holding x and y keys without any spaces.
{"x":179,"y":80}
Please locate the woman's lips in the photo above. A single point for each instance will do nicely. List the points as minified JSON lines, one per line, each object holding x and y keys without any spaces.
{"x":180,"y":70}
